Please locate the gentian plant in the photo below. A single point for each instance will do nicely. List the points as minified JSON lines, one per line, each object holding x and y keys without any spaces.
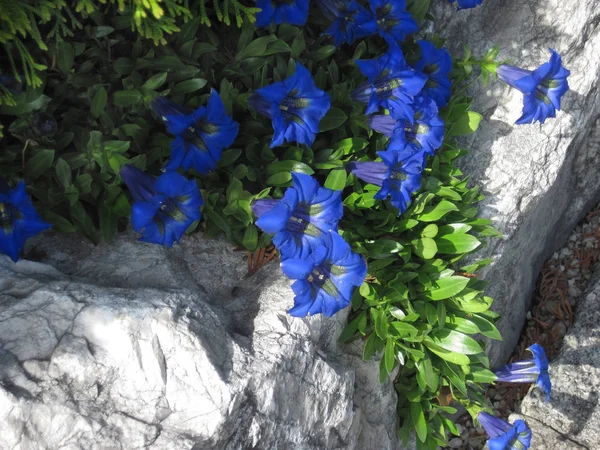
{"x":164,"y":207}
{"x":503,"y":435}
{"x":528,"y":371}
{"x":256,"y":130}
{"x":18,"y":219}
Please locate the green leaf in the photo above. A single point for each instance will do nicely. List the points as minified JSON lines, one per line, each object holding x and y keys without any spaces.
{"x":430,"y":231}
{"x":251,"y":238}
{"x":336,"y":180}
{"x":380,"y":321}
{"x":59,"y":223}
{"x":258,"y":47}
{"x":334,"y":118}
{"x":455,"y":341}
{"x":433,"y":213}
{"x":390,"y":351}
{"x":38,"y":164}
{"x":447,"y":355}
{"x":446,"y":287}
{"x":98,"y":104}
{"x":126,"y":98}
{"x":322,"y":53}
{"x":189,"y":86}
{"x":425,"y":367}
{"x":453,"y":244}
{"x":417,"y":416}
{"x":349,"y":146}
{"x":63,"y":173}
{"x":482,"y":375}
{"x":229,"y":156}
{"x":280,"y":179}
{"x":418,"y":9}
{"x":289,"y":166}
{"x":155,"y":81}
{"x":425,"y":248}
{"x":65,"y":57}
{"x":108,"y":221}
{"x":466,"y":124}
{"x":369,"y":348}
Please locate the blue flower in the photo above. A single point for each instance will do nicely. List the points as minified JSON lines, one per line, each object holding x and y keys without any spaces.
{"x":294,"y":12}
{"x":503,"y":435}
{"x":391,"y":84}
{"x":325,"y":278}
{"x":200,"y":136}
{"x":529,"y":371}
{"x":436,"y":65}
{"x":18,"y":219}
{"x":399,"y":175}
{"x":466,"y":4}
{"x":425,"y":134}
{"x":347,"y":15}
{"x":392,"y":20}
{"x":301,"y":218}
{"x":164,"y":207}
{"x":542,"y":88}
{"x":295,"y":106}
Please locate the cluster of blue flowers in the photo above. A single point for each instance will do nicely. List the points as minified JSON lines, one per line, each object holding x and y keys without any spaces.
{"x":165,"y":207}
{"x":305,"y":227}
{"x":517,"y":436}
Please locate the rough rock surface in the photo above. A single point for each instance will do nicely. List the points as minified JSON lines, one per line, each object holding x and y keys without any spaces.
{"x":539,"y":180}
{"x":128,"y":345}
{"x":572,"y":418}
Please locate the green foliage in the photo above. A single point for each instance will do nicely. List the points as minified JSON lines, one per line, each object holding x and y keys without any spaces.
{"x":30,"y":28}
{"x":421,"y":311}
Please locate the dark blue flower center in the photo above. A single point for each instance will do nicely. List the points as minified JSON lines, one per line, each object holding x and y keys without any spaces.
{"x":290,"y":105}
{"x":541,"y":95}
{"x":320,"y":278}
{"x":386,"y":86}
{"x":6,"y":217}
{"x":171,"y":208}
{"x":192,"y":136}
{"x":431,"y":68}
{"x":412,"y":130}
{"x":383,"y":21}
{"x":397,"y":175}
{"x":516,"y":444}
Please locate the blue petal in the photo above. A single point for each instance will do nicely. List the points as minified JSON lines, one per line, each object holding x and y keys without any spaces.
{"x":297,"y":268}
{"x":274,"y":220}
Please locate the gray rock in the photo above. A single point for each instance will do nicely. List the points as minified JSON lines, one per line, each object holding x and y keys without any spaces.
{"x":539,"y":180}
{"x":572,"y":418}
{"x":129,"y":345}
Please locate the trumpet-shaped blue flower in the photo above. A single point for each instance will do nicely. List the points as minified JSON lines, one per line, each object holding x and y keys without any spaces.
{"x":18,"y":219}
{"x":399,"y":175}
{"x":326,"y":278}
{"x":425,"y":134}
{"x":542,"y":88}
{"x":300,"y":220}
{"x":436,"y":65}
{"x":391,"y":20}
{"x":391,"y":84}
{"x":346,"y":16}
{"x":200,"y":135}
{"x":295,"y":106}
{"x":503,"y":435}
{"x":466,"y":4}
{"x":529,"y":371}
{"x":294,"y":12}
{"x":164,"y":207}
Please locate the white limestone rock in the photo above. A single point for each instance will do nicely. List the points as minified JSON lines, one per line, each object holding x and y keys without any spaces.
{"x":129,"y":345}
{"x":539,"y":180}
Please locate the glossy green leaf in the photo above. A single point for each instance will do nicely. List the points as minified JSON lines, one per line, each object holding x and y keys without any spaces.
{"x":417,"y":417}
{"x":455,"y":341}
{"x":98,"y":104}
{"x":38,"y":164}
{"x":334,"y":119}
{"x":446,"y":287}
{"x":457,"y":243}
